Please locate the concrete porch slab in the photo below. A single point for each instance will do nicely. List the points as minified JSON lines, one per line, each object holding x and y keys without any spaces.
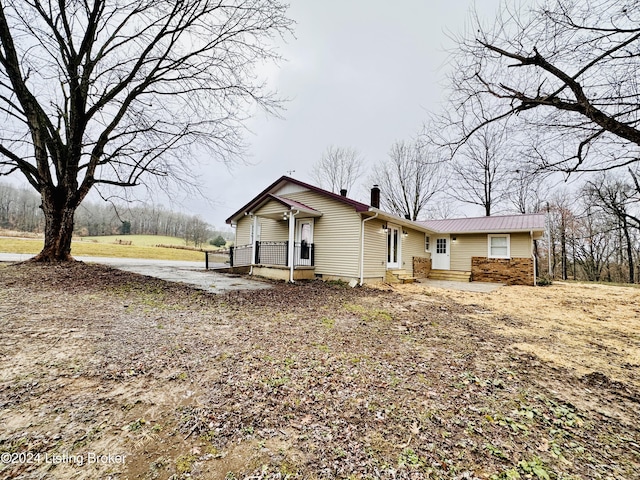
{"x":481,"y":287}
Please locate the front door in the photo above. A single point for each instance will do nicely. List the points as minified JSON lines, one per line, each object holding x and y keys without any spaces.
{"x":441,"y":253}
{"x":304,"y":242}
{"x":394,"y":246}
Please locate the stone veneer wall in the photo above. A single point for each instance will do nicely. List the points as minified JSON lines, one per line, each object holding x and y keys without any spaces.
{"x":511,"y":271}
{"x":421,"y":267}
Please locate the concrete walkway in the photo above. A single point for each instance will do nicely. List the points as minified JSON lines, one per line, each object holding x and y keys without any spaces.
{"x":190,"y":273}
{"x":481,"y":287}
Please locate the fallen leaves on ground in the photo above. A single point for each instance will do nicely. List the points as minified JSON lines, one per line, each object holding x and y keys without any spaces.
{"x":309,"y":380}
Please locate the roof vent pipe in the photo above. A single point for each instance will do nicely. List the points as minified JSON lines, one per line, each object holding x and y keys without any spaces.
{"x":343,"y":192}
{"x":375,"y":196}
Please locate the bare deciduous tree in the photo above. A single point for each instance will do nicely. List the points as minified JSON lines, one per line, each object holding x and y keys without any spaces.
{"x":592,"y":245}
{"x":339,"y":168}
{"x":617,"y":199}
{"x":480,"y":174}
{"x":107,"y":92}
{"x":565,"y":69}
{"x":409,"y":179}
{"x":527,"y":190}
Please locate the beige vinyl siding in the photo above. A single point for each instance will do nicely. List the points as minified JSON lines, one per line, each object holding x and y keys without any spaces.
{"x":270,"y":230}
{"x":412,"y":246}
{"x":243,"y":231}
{"x":375,"y":249}
{"x":521,"y":245}
{"x":336,"y":235}
{"x":465,"y":247}
{"x":476,"y":245}
{"x":273,"y":230}
{"x":272,"y":208}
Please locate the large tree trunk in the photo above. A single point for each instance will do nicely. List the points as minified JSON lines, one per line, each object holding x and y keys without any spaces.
{"x":59,"y":217}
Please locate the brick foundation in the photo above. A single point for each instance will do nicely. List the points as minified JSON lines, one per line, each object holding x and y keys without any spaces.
{"x":421,"y":267}
{"x":510,"y":271}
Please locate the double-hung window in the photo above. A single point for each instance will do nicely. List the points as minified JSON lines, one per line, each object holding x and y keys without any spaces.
{"x":499,"y":246}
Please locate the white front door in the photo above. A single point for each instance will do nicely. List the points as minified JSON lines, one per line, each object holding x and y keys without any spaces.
{"x":394,"y":247}
{"x":441,"y":253}
{"x":304,"y":242}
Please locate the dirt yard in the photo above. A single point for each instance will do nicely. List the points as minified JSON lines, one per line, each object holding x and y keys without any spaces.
{"x":107,"y":374}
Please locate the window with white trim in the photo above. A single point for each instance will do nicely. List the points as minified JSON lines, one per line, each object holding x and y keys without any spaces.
{"x":427,"y":243}
{"x":499,"y":246}
{"x":441,"y":246}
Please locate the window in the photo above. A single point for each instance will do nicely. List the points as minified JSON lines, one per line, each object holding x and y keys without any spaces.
{"x":441,"y":245}
{"x":427,"y":243}
{"x":499,"y":246}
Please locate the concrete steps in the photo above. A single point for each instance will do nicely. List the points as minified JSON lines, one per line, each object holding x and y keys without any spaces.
{"x":399,"y":276}
{"x":450,"y":275}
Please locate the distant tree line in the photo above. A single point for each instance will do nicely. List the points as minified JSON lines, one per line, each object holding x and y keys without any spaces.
{"x":593,"y":230}
{"x":20,"y":210}
{"x":595,"y":234}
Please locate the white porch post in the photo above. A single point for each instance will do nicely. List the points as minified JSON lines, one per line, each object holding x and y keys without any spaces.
{"x":292,"y":228}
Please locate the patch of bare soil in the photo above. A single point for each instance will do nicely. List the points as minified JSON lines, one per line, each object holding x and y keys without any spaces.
{"x":108,"y":374}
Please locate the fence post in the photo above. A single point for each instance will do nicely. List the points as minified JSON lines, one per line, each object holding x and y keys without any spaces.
{"x":206,"y":260}
{"x":231,"y":256}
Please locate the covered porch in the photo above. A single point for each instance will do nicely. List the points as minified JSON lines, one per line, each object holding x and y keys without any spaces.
{"x":271,"y":259}
{"x":273,"y":254}
{"x":280,"y":241}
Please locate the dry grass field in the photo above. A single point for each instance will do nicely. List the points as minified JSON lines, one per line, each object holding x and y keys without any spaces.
{"x":106,"y":374}
{"x":585,"y":328}
{"x":590,"y":330}
{"x":91,"y":247}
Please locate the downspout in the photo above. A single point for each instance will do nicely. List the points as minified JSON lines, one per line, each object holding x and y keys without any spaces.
{"x":362,"y":248}
{"x":290,"y":253}
{"x":533,"y":257}
{"x":253,"y":242}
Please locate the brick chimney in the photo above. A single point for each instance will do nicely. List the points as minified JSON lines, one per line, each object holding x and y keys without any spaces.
{"x":375,"y":196}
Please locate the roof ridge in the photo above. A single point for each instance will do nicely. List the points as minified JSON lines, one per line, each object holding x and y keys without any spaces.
{"x":359,"y":206}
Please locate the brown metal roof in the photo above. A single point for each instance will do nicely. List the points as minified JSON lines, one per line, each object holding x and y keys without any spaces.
{"x":293,"y":204}
{"x":257,"y":200}
{"x":503,"y":223}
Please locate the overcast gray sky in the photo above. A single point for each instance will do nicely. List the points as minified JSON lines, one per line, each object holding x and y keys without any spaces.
{"x":360,"y":73}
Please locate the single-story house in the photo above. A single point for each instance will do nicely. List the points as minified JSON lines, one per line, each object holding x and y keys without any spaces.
{"x":292,"y":230}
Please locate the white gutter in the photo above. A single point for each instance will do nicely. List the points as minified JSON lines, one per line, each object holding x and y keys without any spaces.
{"x":253,"y":243}
{"x":291,"y":252}
{"x":362,"y":248}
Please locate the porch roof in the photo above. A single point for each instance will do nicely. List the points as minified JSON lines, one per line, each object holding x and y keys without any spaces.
{"x":292,"y":204}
